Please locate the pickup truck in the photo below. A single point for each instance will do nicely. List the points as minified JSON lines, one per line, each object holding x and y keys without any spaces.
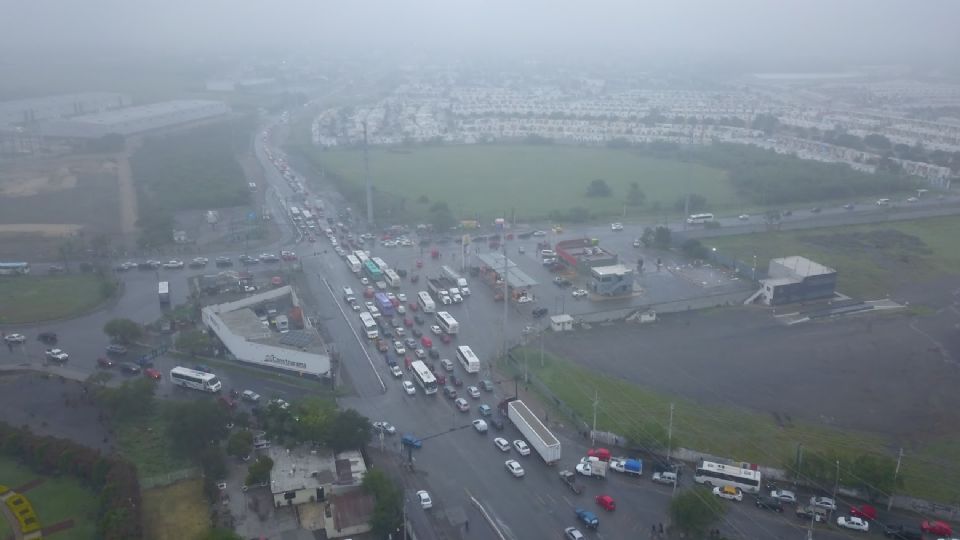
{"x":588,"y":518}
{"x":627,"y":466}
{"x":667,"y":477}
{"x":57,"y":355}
{"x":570,"y":480}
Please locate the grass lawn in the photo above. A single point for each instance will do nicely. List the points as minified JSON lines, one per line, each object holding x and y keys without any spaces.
{"x":872,"y":260}
{"x":175,"y":512}
{"x":144,"y":442}
{"x":55,"y":500}
{"x":628,"y":409}
{"x":531,"y":180}
{"x":38,"y":298}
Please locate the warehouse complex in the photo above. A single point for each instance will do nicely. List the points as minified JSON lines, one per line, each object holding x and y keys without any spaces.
{"x":23,"y":112}
{"x":133,"y":120}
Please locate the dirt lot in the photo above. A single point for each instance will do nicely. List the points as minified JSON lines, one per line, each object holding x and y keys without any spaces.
{"x":894,"y":375}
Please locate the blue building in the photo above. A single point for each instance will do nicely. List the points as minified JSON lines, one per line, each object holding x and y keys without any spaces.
{"x":615,"y":280}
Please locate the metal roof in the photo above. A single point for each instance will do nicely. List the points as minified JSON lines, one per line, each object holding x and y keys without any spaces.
{"x":516,"y":278}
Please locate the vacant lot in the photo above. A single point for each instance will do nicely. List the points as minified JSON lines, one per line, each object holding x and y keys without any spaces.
{"x":529,"y":180}
{"x":145,"y":443}
{"x":872,"y":260}
{"x":55,"y":499}
{"x":748,"y":388}
{"x":175,"y":512}
{"x":40,"y":298}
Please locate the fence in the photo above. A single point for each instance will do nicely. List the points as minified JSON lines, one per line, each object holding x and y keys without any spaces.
{"x":161,"y":480}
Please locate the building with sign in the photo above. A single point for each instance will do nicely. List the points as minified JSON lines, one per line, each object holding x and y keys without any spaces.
{"x":249,"y":331}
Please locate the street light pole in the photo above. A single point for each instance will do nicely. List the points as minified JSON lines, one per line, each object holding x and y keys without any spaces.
{"x":670,"y":434}
{"x":895,"y":473}
{"x":596,"y":401}
{"x":836,"y":485}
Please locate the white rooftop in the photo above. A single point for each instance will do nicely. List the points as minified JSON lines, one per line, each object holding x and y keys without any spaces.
{"x":128,"y":114}
{"x":614,"y":269}
{"x":802,"y":266}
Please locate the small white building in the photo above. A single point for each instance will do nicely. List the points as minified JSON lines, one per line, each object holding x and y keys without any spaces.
{"x":561,"y":323}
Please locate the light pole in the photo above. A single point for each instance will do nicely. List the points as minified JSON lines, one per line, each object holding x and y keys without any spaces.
{"x":836,"y":485}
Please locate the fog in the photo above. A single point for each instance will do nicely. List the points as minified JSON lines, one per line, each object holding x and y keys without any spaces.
{"x":766,"y":33}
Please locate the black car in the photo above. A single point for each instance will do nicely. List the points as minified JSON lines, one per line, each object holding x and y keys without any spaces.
{"x":769,"y":503}
{"x":450,"y":392}
{"x":539,"y":312}
{"x":418,"y":319}
{"x":129,"y":368}
{"x":116,"y":349}
{"x":432,"y":353}
{"x":223,"y":262}
{"x":496,"y":423}
{"x":47,"y":337}
{"x":903,"y":532}
{"x":416,"y":332}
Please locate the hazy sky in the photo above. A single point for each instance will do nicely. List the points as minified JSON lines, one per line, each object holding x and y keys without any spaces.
{"x":872,"y":31}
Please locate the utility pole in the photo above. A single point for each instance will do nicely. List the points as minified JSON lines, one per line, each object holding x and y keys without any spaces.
{"x":796,"y":479}
{"x":836,"y":486}
{"x":895,"y":473}
{"x":506,"y":286}
{"x":670,"y":434}
{"x":366,"y":173}
{"x":596,"y":402}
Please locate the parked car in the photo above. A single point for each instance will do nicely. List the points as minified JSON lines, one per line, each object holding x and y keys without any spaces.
{"x":665,"y":477}
{"x":155,"y":374}
{"x":104,"y":362}
{"x":784,"y":495}
{"x":522,"y":448}
{"x":480,"y":425}
{"x":250,"y":396}
{"x":501,"y":444}
{"x":384,"y":427}
{"x":853,"y":523}
{"x":824,"y":502}
{"x":116,"y":349}
{"x":425,"y":502}
{"x":769,"y":503}
{"x":409,"y":388}
{"x":129,"y":368}
{"x":14,"y":338}
{"x":606,"y":502}
{"x":939,"y":528}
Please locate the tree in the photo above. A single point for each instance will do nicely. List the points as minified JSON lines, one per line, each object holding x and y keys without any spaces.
{"x":348,"y":430}
{"x":441,"y":217}
{"x":387,"y":512}
{"x":259,"y":471}
{"x":122,"y":330}
{"x":316,"y":417}
{"x":598,"y":188}
{"x":193,"y":342}
{"x":240,"y":443}
{"x":693,"y":249}
{"x":195,"y":425}
{"x":874,"y":475}
{"x":661,"y":237}
{"x":647,"y":237}
{"x":694,"y":510}
{"x":636,"y":196}
{"x":133,"y":399}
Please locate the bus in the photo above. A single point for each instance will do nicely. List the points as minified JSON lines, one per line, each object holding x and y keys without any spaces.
{"x":196,"y":380}
{"x":361,"y":256}
{"x":424,"y":377}
{"x":718,"y":474}
{"x":307,"y":216}
{"x":373,"y":272}
{"x":391,"y":278}
{"x":699,"y":219}
{"x":384,"y":304}
{"x":294,"y":212}
{"x":447,"y":322}
{"x":426,"y":303}
{"x":469,"y":361}
{"x":369,"y":325}
{"x":14,"y":268}
{"x":353,"y":263}
{"x":380,"y":264}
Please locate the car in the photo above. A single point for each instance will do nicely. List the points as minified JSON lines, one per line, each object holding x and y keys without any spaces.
{"x":116,"y":349}
{"x":784,"y":495}
{"x":364,"y":281}
{"x":268,"y":257}
{"x":368,"y":292}
{"x":912,"y":199}
{"x":572,"y":533}
{"x":396,"y":371}
{"x":173,"y":264}
{"x":588,"y":518}
{"x":14,"y":338}
{"x":401,"y":297}
{"x":486,"y":410}
{"x":522,"y":448}
{"x":579,"y":293}
{"x":853,"y":523}
{"x":416,"y":332}
{"x":513,"y":468}
{"x":426,"y":342}
{"x":418,"y":319}
{"x":606,"y":502}
{"x":446,"y":339}
{"x":247,"y":260}
{"x":401,"y":310}
{"x":450,"y":392}
{"x":399,"y":348}
{"x":129,"y":368}
{"x":250,"y":396}
{"x":47,"y":337}
{"x":502,"y":444}
{"x":280,"y":403}
{"x":486,"y":385}
{"x":538,"y":313}
{"x":384,"y":427}
{"x":155,"y":374}
{"x":199,"y":262}
{"x":815,"y":210}
{"x":815,"y":513}
{"x":288,"y":255}
{"x":904,"y":532}
{"x":222,"y":262}
{"x":728,"y":492}
{"x":744,"y":217}
{"x":769,"y":503}
{"x":616,"y":226}
{"x":436,"y":330}
{"x":56,"y":355}
{"x":664,"y":477}
{"x":480,"y":425}
{"x":104,"y":362}
{"x":408,"y":322}
{"x":420,"y":354}
{"x":424,"y":498}
{"x":824,"y":502}
{"x":410,"y":343}
{"x":409,"y":388}
{"x":848,"y":206}
{"x":939,"y":528}
{"x":462,"y":404}
{"x":473,"y":392}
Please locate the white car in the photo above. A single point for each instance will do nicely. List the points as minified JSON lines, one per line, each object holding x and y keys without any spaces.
{"x":400,"y":331}
{"x":502,"y":444}
{"x":385,"y":427}
{"x":14,"y":338}
{"x":480,"y":425}
{"x":572,"y":533}
{"x":401,"y":309}
{"x":854,"y":523}
{"x":401,"y":297}
{"x":57,"y":355}
{"x":461,"y":404}
{"x":370,"y":306}
{"x":823,"y":502}
{"x":396,"y":371}
{"x":521,"y":447}
{"x":473,"y":391}
{"x":524,"y":299}
{"x":420,"y":354}
{"x":199,"y":262}
{"x":174,"y":264}
{"x":250,"y":395}
{"x":784,"y":495}
{"x":744,"y":217}
{"x":409,"y":388}
{"x":445,"y":299}
{"x":281,"y":403}
{"x":436,"y":330}
{"x":579,"y":293}
{"x":616,"y":226}
{"x":728,"y":492}
{"x":514,"y":468}
{"x":424,"y":498}
{"x":539,"y":233}
{"x":364,"y":281}
{"x":457,"y":299}
{"x":912,"y":199}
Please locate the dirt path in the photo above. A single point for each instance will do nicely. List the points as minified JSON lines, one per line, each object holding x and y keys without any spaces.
{"x":128,"y":199}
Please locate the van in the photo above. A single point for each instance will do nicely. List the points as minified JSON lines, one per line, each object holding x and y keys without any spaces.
{"x":348,"y":294}
{"x":883,"y":202}
{"x":447,"y":364}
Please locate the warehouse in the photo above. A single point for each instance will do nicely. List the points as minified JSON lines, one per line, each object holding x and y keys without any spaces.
{"x":29,"y":111}
{"x":796,"y":279}
{"x":133,"y":120}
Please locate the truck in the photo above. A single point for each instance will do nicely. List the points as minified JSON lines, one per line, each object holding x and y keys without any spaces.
{"x":627,"y":466}
{"x":438,"y":287}
{"x":591,"y":466}
{"x":570,"y":479}
{"x":163,"y":290}
{"x":458,"y":281}
{"x":540,"y":438}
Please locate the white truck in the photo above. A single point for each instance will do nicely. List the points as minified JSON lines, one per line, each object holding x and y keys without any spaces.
{"x":540,"y":438}
{"x":458,"y":281}
{"x":57,"y":355}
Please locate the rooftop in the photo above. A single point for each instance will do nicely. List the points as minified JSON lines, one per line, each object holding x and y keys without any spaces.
{"x":63,"y":99}
{"x":300,"y":468}
{"x":612,"y":270}
{"x":143,"y":112}
{"x":516,"y":278}
{"x":803,"y":267}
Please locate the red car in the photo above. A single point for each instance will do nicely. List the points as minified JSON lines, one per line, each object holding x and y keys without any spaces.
{"x":606,"y":502}
{"x":426,"y":342}
{"x":864,"y":511}
{"x":600,"y":453}
{"x":407,"y":362}
{"x":104,"y":362}
{"x":153,"y":373}
{"x":407,"y":321}
{"x":413,"y":306}
{"x":938,"y":528}
{"x":445,"y":338}
{"x":368,"y":292}
{"x":441,"y":378}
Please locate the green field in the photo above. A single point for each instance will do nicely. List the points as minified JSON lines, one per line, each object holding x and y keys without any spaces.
{"x":144,"y":442}
{"x":175,"y":512}
{"x":39,"y":298}
{"x":627,"y":409}
{"x":528,"y":179}
{"x":54,"y":500}
{"x":872,"y":260}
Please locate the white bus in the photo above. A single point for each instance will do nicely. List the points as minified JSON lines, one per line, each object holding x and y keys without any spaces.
{"x":391,"y":278}
{"x":369,"y":325}
{"x":718,"y":474}
{"x":424,"y":377}
{"x":469,"y":361}
{"x":361,"y":256}
{"x":447,"y":322}
{"x":197,"y":380}
{"x":426,"y":303}
{"x":380,"y":264}
{"x":294,"y":212}
{"x":307,"y":216}
{"x":699,"y":219}
{"x":353,"y":263}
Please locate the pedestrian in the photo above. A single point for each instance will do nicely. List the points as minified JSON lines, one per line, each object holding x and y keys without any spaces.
{"x":467,"y":524}
{"x":661,"y":528}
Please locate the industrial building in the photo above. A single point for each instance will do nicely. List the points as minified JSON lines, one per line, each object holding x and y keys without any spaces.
{"x":582,"y":254}
{"x":614,"y":280}
{"x":494,"y":267}
{"x":796,"y":279}
{"x":252,"y":338}
{"x":23,"y":112}
{"x":133,"y":120}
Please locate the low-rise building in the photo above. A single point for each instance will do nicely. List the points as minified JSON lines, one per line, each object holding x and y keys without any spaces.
{"x":614,"y":280}
{"x":797,"y":279}
{"x":583,"y":254}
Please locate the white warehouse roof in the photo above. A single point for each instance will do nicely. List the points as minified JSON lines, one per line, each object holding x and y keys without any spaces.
{"x":132,"y":120}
